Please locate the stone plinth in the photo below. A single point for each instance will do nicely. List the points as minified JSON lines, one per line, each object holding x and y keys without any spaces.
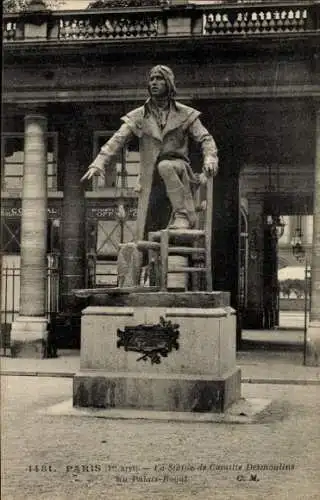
{"x":313,"y":344}
{"x":28,"y":336}
{"x":200,"y":375}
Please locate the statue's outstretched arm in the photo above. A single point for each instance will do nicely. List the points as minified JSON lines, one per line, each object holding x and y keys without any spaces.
{"x":109,"y":151}
{"x":209,"y":149}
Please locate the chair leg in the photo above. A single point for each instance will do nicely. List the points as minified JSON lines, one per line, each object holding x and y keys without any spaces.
{"x":208,"y":264}
{"x":164,"y":245}
{"x":194,"y":276}
{"x":154,"y":258}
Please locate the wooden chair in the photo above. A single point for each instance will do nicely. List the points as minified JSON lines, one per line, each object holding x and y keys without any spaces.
{"x":193,"y":243}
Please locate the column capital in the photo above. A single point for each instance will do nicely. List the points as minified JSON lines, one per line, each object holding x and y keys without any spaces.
{"x":33,"y":109}
{"x":32,"y":116}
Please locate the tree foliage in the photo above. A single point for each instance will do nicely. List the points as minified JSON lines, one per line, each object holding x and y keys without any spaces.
{"x":18,"y":5}
{"x":295,"y":286}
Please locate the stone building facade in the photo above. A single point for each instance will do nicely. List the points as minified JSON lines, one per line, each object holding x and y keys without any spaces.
{"x":251,"y":68}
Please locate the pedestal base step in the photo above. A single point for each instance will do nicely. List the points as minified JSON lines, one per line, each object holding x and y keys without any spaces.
{"x":244,"y":411}
{"x":190,"y":393}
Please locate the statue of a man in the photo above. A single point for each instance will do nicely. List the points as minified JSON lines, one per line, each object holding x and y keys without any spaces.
{"x":163,"y":127}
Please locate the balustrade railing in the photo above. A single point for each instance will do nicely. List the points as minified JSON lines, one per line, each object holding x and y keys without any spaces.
{"x":107,"y":27}
{"x":223,"y":19}
{"x":257,"y":20}
{"x":9,"y":30}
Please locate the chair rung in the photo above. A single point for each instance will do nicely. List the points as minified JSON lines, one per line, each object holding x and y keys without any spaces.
{"x":186,"y":250}
{"x":187,"y":270}
{"x":152,"y":245}
{"x":186,"y":232}
{"x":181,"y":233}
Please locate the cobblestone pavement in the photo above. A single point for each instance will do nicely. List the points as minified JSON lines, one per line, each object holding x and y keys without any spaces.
{"x":59,"y":457}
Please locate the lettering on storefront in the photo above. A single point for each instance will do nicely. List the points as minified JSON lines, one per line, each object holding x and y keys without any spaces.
{"x":13,"y":212}
{"x":110,"y":213}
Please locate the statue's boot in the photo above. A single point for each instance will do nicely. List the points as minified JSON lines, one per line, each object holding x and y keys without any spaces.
{"x":179,"y":220}
{"x":175,"y":176}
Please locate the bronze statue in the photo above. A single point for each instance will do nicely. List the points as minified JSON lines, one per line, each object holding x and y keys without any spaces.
{"x":163,"y":127}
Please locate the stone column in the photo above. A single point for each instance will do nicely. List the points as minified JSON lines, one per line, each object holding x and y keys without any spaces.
{"x":30,"y":328}
{"x":313,"y":344}
{"x":76,"y":160}
{"x":270,"y":279}
{"x":225,"y":234}
{"x":253,"y":316}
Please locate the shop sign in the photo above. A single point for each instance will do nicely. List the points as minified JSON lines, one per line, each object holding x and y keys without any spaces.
{"x":110,"y":213}
{"x":14,"y":212}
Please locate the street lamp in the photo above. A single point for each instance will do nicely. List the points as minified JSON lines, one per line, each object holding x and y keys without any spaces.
{"x":277,"y":223}
{"x":296,"y":244}
{"x":301,"y":255}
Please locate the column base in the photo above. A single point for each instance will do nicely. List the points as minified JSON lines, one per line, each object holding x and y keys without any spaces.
{"x":313,"y":344}
{"x":28,"y":337}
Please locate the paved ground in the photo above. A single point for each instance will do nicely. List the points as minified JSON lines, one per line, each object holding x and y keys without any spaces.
{"x":282,"y":363}
{"x":51,"y":458}
{"x":47,"y":457}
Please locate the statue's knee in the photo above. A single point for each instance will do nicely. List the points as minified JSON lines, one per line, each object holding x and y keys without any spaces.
{"x":164,"y":167}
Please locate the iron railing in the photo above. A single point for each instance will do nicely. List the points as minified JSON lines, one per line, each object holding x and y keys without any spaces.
{"x":10,"y":298}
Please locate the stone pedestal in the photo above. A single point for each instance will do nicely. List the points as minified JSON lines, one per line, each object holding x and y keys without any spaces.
{"x":313,"y":344}
{"x":201,"y":375}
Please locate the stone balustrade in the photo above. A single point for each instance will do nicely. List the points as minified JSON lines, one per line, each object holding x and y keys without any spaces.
{"x":253,"y":20}
{"x":108,"y":27}
{"x":217,"y":20}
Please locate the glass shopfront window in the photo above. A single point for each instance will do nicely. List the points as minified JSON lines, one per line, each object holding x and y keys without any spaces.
{"x":111,"y":217}
{"x":10,"y":235}
{"x":122,"y":175}
{"x":13,"y":161}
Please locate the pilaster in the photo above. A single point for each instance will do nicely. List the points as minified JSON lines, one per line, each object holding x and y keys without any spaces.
{"x":76,"y":160}
{"x":254,"y":314}
{"x":225,"y":233}
{"x":313,"y":337}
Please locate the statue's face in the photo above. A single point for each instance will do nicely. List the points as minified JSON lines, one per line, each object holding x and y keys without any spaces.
{"x":157,"y":85}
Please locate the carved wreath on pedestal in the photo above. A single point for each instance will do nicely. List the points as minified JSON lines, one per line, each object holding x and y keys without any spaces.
{"x":153,"y":341}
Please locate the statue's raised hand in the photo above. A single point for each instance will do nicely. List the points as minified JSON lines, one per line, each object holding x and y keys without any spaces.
{"x":210,"y":167}
{"x":92,"y":170}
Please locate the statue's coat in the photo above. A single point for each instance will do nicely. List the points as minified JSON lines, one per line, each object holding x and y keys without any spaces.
{"x":182,"y":123}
